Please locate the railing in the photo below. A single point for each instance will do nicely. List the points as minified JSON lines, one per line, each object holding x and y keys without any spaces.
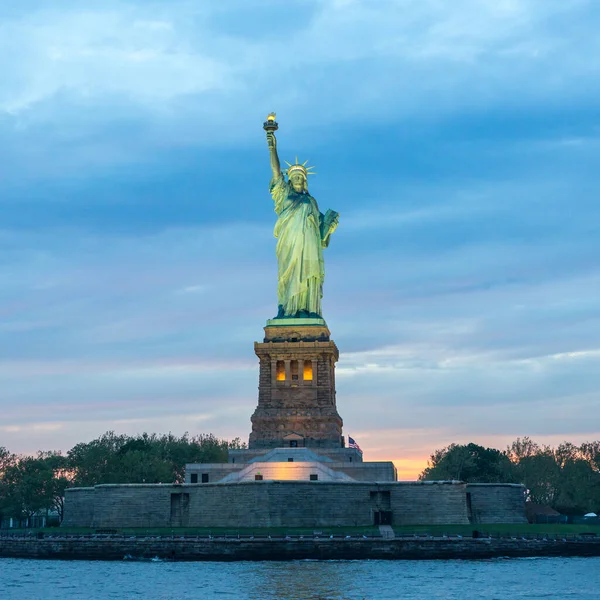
{"x":262,"y":536}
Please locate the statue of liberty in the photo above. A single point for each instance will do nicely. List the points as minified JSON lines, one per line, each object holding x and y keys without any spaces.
{"x":302,"y":232}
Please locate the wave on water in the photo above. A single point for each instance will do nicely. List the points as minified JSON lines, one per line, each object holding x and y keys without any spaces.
{"x":131,"y":557}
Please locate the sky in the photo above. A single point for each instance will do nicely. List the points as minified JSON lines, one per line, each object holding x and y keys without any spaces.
{"x":459,"y":141}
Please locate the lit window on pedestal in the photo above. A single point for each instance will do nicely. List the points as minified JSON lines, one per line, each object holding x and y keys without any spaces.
{"x":308,"y":372}
{"x":280,"y":370}
{"x":294,"y":369}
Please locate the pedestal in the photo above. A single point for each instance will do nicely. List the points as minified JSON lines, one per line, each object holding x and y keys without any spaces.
{"x":296,"y":392}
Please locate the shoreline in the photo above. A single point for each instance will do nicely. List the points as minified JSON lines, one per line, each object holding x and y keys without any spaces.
{"x":192,"y":548}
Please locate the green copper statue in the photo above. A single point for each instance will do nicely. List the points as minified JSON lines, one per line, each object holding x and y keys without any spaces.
{"x":302,"y":232}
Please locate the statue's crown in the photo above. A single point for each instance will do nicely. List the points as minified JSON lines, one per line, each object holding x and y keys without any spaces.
{"x":299,"y":167}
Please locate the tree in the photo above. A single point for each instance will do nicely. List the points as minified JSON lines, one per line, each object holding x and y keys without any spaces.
{"x":522,"y":448}
{"x":94,"y":462}
{"x":540,"y":474}
{"x":34,"y":484}
{"x":6,"y":461}
{"x":145,"y":458}
{"x":471,"y":463}
{"x":579,"y":488}
{"x":590,"y":451}
{"x":567,"y":477}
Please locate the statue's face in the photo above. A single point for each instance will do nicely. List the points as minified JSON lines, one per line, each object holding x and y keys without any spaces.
{"x":297,"y":181}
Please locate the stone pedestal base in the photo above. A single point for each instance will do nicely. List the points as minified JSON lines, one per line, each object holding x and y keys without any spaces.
{"x":296,"y":394}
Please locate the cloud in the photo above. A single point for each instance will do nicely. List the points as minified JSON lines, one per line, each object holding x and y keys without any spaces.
{"x":103,"y":51}
{"x":187,"y":55}
{"x":458,"y":140}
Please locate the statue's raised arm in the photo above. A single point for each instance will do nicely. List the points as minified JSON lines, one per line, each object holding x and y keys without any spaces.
{"x":302,"y":232}
{"x":272,"y":143}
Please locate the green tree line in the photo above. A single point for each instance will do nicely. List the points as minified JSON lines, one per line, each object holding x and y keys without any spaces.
{"x":566,"y":478}
{"x":31,"y":485}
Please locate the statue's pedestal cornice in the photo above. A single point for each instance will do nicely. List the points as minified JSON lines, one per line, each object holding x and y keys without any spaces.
{"x":296,"y":322}
{"x":296,"y":330}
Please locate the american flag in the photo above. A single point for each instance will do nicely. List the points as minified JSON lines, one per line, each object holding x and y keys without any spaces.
{"x":353,"y":444}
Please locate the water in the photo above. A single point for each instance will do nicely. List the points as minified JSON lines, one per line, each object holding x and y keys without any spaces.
{"x":514,"y":579}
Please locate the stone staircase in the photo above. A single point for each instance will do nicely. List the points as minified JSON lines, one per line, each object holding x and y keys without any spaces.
{"x":387,"y":533}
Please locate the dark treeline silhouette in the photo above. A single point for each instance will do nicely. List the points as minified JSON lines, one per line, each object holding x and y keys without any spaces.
{"x":567,"y":477}
{"x":31,"y":485}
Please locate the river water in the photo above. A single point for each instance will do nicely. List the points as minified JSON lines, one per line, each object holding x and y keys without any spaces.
{"x":508,"y":579}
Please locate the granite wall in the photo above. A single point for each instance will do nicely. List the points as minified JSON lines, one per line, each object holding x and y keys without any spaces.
{"x":80,"y":503}
{"x":428,"y":503}
{"x":287,"y":504}
{"x":496,"y":502}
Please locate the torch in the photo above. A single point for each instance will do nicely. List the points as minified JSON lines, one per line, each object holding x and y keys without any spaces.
{"x":270,"y":126}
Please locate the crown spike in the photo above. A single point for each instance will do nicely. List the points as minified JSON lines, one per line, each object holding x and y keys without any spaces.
{"x":299,"y":167}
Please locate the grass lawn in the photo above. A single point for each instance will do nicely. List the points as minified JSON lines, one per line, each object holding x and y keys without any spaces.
{"x":504,"y":529}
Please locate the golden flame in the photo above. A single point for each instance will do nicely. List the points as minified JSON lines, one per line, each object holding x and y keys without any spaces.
{"x":271,"y":116}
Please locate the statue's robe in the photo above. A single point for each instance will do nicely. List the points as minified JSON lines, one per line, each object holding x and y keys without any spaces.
{"x":299,"y":250}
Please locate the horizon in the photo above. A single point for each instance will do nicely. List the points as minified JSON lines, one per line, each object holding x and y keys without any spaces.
{"x":459,"y":144}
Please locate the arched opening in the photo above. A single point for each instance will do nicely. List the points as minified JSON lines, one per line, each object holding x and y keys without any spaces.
{"x":308,"y":370}
{"x":280,"y":370}
{"x":294,"y":370}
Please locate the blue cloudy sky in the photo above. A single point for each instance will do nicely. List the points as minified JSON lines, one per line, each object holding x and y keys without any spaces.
{"x":460,"y":141}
